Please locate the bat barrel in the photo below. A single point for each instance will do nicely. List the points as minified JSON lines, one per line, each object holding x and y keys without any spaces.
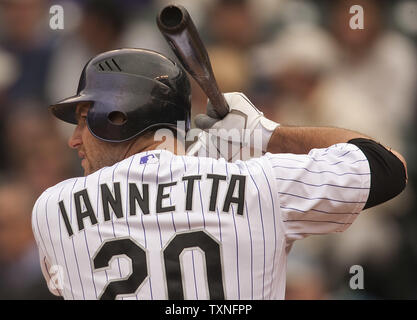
{"x":173,"y":18}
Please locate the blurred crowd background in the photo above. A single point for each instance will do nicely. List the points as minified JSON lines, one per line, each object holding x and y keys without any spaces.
{"x":298,"y":61}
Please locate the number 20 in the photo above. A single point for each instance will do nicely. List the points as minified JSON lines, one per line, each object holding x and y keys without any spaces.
{"x":171,"y":254}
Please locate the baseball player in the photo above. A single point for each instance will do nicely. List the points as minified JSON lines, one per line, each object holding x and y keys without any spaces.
{"x":148,"y":221}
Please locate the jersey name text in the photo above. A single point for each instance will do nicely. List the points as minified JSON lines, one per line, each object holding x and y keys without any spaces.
{"x":141,"y":199}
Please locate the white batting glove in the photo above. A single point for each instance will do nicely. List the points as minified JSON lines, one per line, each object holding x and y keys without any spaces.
{"x":242,"y":134}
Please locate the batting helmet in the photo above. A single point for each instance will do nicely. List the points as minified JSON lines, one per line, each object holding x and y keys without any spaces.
{"x":141,"y":88}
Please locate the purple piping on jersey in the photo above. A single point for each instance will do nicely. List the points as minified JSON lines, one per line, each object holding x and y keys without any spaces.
{"x":62,"y":244}
{"x":336,"y":163}
{"x":316,"y":210}
{"x":317,"y":221}
{"x":275,"y":230}
{"x":189,"y":228}
{"x":220,"y":225}
{"x":157,"y":219}
{"x":361,"y":160}
{"x":73,"y":246}
{"x":39,"y":230}
{"x":237,"y":249}
{"x":237,"y":254}
{"x":251,"y":250}
{"x":277,"y":157}
{"x":199,"y":190}
{"x":47,"y":225}
{"x":112,"y":216}
{"x":262,"y":223}
{"x":88,"y":251}
{"x":98,"y":198}
{"x":170,"y":191}
{"x":309,"y":158}
{"x":325,"y":153}
{"x":144,"y":232}
{"x":307,"y":233}
{"x":40,"y":234}
{"x":188,"y":216}
{"x":321,"y":185}
{"x":217,"y":208}
{"x":143,"y":225}
{"x":306,"y":198}
{"x":127,"y":193}
{"x":204,"y":220}
{"x":98,"y":224}
{"x":49,"y":230}
{"x":338,"y":174}
{"x":347,"y":153}
{"x":127,"y":198}
{"x":195,"y":280}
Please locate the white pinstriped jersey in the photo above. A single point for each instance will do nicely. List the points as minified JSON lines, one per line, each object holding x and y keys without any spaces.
{"x":158,"y":226}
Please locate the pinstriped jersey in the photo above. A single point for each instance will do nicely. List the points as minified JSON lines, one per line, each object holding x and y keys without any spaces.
{"x":162,"y":226}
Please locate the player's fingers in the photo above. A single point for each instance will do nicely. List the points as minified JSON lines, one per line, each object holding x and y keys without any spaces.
{"x":203,"y":121}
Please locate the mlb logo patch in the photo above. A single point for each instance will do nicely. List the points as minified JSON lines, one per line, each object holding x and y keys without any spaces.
{"x":149,"y":159}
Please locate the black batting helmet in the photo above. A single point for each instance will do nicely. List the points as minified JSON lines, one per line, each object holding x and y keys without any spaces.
{"x":141,"y":87}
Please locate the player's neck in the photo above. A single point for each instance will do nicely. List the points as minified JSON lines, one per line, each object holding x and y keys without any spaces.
{"x":169,"y":144}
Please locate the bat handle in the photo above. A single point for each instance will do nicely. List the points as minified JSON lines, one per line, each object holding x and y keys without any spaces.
{"x":216,"y":98}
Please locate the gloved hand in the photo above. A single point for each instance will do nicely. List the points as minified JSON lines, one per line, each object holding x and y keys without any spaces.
{"x":242,"y":134}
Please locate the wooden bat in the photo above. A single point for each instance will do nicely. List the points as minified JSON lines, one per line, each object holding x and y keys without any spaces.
{"x":176,"y":25}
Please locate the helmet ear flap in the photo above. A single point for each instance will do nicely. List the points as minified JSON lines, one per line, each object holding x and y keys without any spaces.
{"x":106,"y":122}
{"x":117,"y":118}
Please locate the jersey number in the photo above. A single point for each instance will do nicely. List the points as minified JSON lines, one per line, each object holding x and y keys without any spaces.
{"x":171,"y":255}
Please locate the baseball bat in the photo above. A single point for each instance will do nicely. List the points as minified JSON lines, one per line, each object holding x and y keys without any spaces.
{"x":178,"y":28}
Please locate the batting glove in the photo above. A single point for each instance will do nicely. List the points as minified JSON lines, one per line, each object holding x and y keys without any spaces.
{"x":242,"y":134}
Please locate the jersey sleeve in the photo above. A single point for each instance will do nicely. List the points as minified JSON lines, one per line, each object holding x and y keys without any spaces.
{"x":36,"y":228}
{"x":45,"y":267}
{"x":43,"y":257}
{"x":321,"y":192}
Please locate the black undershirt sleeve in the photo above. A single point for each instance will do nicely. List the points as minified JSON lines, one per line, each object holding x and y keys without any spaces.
{"x":388,"y":177}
